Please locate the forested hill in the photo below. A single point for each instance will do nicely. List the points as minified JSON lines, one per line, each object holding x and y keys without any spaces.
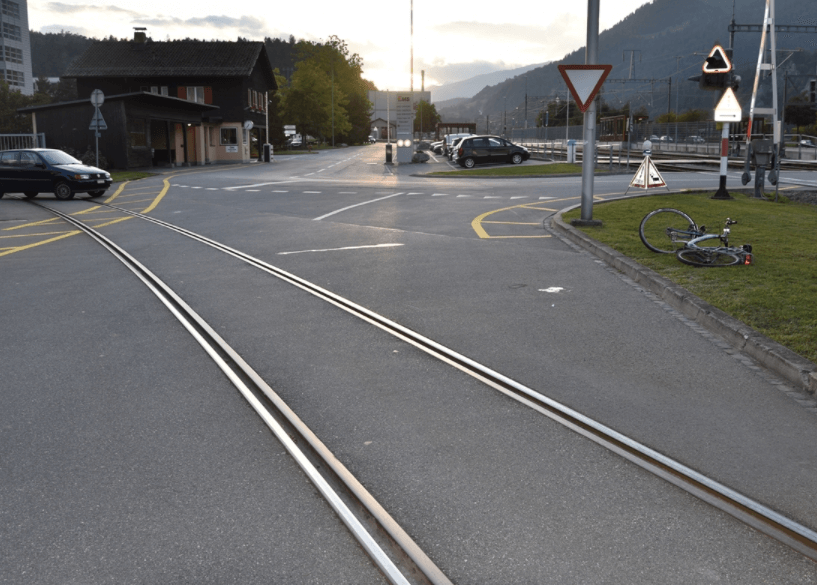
{"x":52,"y":53}
{"x":662,"y":37}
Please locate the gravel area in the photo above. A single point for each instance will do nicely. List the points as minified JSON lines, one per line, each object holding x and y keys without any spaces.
{"x":802,"y":196}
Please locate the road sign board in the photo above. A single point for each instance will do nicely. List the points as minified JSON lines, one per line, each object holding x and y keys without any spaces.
{"x":728,"y":109}
{"x":98,"y":122}
{"x":584,"y":82}
{"x":97,"y":98}
{"x":647,"y":176}
{"x":718,"y":61}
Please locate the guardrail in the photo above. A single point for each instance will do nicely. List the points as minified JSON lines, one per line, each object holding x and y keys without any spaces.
{"x":14,"y":141}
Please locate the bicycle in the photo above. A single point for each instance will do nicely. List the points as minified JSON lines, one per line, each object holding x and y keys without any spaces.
{"x":670,"y":231}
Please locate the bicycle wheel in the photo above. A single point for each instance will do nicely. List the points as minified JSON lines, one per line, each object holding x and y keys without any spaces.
{"x":667,"y":230}
{"x":707,"y":258}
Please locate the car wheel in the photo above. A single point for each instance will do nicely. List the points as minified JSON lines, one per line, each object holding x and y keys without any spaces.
{"x":468,"y":163}
{"x":516,"y":158}
{"x":63,"y":191}
{"x":30,"y":194}
{"x":99,"y":193}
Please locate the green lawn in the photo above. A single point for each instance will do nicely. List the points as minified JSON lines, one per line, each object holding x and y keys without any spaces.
{"x":119,"y":176}
{"x":775,"y":296}
{"x":517,"y":171}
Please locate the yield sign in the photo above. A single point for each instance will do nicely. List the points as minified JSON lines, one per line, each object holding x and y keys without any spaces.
{"x":728,"y":109}
{"x":584,"y":82}
{"x":717,"y":62}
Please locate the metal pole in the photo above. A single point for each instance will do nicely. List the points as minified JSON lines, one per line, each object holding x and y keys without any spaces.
{"x":588,"y":154}
{"x":722,"y":193}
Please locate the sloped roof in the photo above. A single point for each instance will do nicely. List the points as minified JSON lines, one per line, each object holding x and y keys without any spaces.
{"x":170,"y":59}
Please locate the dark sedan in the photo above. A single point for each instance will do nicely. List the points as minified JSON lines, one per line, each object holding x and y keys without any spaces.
{"x":41,"y":170}
{"x":489,"y":149}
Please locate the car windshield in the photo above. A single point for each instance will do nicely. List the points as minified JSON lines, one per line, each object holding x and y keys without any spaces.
{"x":58,"y":157}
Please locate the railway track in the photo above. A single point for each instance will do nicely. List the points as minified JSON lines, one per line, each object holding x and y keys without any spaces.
{"x":389,"y":546}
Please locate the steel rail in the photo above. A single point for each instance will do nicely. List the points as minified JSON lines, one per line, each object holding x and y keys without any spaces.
{"x":283,"y":422}
{"x":753,"y":513}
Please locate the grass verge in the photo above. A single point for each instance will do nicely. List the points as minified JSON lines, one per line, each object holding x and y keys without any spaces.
{"x":119,"y":176}
{"x":517,"y":171}
{"x":774,"y":296}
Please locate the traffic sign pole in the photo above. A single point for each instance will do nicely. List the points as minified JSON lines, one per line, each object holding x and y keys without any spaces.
{"x":589,"y":147}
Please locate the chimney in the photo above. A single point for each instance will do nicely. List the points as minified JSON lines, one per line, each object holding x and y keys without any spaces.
{"x":139,"y":35}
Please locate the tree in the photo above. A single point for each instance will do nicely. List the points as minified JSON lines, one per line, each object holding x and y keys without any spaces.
{"x":345,"y":70}
{"x":426,"y":118}
{"x":309,"y":101}
{"x":11,"y":100}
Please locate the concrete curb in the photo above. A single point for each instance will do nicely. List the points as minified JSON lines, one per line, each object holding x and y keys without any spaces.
{"x":787,"y":364}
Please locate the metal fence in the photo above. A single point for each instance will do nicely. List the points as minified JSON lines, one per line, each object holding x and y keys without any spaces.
{"x":14,"y":141}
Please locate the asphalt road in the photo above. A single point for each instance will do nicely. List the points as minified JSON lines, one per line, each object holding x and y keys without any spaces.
{"x":127,"y":457}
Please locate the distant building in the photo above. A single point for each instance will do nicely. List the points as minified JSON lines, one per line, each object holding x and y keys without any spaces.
{"x":166,"y":103}
{"x":384,"y":110}
{"x":15,"y":46}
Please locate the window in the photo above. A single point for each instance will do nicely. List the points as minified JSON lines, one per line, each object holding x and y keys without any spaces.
{"x":29,"y":159}
{"x":8,"y":158}
{"x":12,"y":55}
{"x":11,"y":8}
{"x":229,"y":136}
{"x":14,"y":78}
{"x":195,"y":94}
{"x":495,"y":142}
{"x":249,"y":97}
{"x":12,"y":32}
{"x":136,"y":130}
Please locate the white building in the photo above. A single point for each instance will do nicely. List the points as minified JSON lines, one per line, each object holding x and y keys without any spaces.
{"x":15,"y":46}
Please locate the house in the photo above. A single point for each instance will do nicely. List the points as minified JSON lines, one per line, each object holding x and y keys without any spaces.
{"x":165,"y":103}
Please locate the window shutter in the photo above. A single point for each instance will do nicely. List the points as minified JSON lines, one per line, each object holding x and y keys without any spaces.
{"x":249,"y":97}
{"x":208,"y":95}
{"x":182,"y":92}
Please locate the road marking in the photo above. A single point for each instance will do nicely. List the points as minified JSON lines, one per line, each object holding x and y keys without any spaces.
{"x":415,"y":193}
{"x":313,"y":192}
{"x":546,"y":198}
{"x":520,"y":197}
{"x":337,"y":249}
{"x":280,"y":191}
{"x":212,"y":188}
{"x":253,"y":190}
{"x":347,"y":193}
{"x":248,"y":186}
{"x":356,"y":205}
{"x":463,"y":196}
{"x":440,"y":195}
{"x":492,"y":197}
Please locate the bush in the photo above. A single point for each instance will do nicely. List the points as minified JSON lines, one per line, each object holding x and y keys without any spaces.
{"x":88,"y":157}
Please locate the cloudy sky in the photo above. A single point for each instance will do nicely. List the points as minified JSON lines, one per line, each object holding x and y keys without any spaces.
{"x":452,"y":40}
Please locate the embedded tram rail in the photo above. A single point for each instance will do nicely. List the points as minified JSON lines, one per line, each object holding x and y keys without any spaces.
{"x":407,"y":558}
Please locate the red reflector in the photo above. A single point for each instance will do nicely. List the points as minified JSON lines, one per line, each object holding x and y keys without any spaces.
{"x":748,"y":260}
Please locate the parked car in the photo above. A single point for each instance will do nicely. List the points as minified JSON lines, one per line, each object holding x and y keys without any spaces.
{"x":448,"y":141}
{"x":695,"y":139}
{"x":489,"y":149}
{"x":807,"y":144}
{"x":666,"y":139}
{"x":437,"y":147}
{"x":41,"y":170}
{"x":452,"y":150}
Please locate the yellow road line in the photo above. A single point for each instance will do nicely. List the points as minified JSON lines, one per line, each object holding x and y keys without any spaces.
{"x":21,"y":248}
{"x":31,"y":235}
{"x":45,"y":221}
{"x":117,"y":192}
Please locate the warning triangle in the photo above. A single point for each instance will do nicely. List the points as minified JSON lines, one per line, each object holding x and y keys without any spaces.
{"x":717,"y":62}
{"x":728,"y":109}
{"x":647,"y":176}
{"x":584,"y":82}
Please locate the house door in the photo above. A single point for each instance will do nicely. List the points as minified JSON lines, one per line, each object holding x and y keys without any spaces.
{"x":192,"y":146}
{"x":159,"y":144}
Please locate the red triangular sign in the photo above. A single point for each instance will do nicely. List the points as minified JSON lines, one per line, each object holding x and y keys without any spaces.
{"x":584,"y":82}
